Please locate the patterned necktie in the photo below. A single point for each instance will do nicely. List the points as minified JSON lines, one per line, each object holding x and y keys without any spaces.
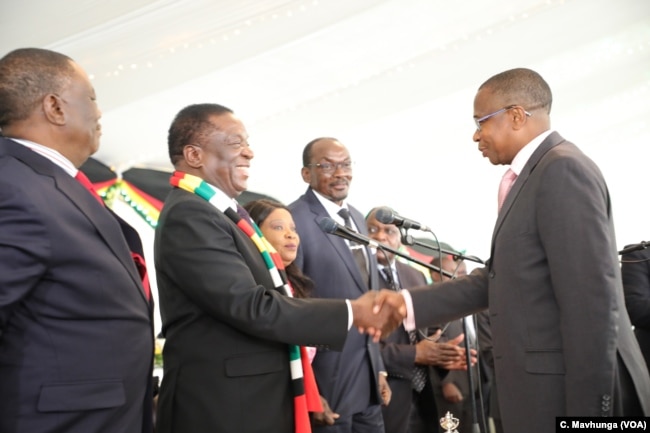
{"x":355,"y":248}
{"x":419,"y":379}
{"x":504,"y":187}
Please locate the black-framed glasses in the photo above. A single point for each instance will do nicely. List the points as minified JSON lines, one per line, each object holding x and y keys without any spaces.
{"x":480,"y":120}
{"x":329,"y":167}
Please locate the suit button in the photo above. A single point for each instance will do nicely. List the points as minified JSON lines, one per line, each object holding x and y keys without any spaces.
{"x":491,"y":274}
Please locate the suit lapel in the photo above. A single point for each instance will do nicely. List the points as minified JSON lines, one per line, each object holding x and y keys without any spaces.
{"x":105,"y":224}
{"x":338,"y":243}
{"x":551,"y":141}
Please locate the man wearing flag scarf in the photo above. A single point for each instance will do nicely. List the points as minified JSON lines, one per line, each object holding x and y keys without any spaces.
{"x":232,"y":357}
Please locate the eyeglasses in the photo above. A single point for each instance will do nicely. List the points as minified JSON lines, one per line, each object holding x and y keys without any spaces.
{"x":329,"y":168}
{"x":480,"y":120}
{"x":390,"y":231}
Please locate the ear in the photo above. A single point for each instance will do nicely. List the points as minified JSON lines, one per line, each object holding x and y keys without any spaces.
{"x":306,"y":175}
{"x":53,"y":109}
{"x":193,"y":155}
{"x":519,"y":117}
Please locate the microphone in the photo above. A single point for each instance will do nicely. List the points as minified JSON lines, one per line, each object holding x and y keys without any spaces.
{"x":328,"y":225}
{"x":635,"y":247}
{"x":385,"y":215}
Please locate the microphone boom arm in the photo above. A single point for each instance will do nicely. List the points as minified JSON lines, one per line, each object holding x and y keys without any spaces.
{"x":414,"y":260}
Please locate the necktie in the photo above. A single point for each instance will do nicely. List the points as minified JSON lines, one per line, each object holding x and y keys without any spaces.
{"x":83,"y":179}
{"x":504,"y":187}
{"x":419,"y":379}
{"x":355,"y":248}
{"x":140,"y":264}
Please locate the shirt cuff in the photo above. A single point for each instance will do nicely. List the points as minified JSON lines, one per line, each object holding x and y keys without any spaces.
{"x":350,"y":317}
{"x":409,"y":321}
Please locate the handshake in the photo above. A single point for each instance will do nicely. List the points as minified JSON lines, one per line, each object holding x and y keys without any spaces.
{"x":378,"y":313}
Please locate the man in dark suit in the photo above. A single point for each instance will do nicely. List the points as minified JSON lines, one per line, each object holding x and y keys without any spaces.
{"x":635,"y":268}
{"x":349,"y":380}
{"x":227,"y":324}
{"x":409,"y":356}
{"x":562,"y":344}
{"x":76,"y":338}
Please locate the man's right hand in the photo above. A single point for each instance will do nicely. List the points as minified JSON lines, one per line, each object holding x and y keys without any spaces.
{"x":378,"y":319}
{"x":326,"y":417}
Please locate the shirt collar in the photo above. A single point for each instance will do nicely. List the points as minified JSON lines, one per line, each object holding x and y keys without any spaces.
{"x":51,"y":154}
{"x":525,"y":152}
{"x":331,"y":207}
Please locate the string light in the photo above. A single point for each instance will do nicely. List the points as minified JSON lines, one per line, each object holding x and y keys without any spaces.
{"x":596,"y":57}
{"x":225,"y":35}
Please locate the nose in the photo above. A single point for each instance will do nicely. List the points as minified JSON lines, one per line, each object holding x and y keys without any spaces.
{"x":477,"y":136}
{"x":247,"y":152}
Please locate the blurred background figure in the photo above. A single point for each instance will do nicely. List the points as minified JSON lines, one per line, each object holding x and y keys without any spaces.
{"x":454,"y":393}
{"x":410,"y":357}
{"x":635,"y":269}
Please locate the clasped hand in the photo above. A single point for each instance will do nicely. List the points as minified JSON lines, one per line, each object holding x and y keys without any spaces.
{"x":378,"y":313}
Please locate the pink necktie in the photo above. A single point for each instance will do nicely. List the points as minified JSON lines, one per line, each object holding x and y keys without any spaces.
{"x":504,"y":187}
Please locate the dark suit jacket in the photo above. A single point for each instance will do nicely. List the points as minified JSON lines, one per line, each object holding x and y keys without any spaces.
{"x":636,"y":285}
{"x":347,"y":379}
{"x":399,"y":357}
{"x":555,"y":296}
{"x":76,"y":349}
{"x":226,"y":359}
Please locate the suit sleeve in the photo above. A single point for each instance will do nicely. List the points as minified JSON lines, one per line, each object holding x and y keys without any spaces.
{"x":444,"y":302}
{"x":24,"y":248}
{"x":200,"y":255}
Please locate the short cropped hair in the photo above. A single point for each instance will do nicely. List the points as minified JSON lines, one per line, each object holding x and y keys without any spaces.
{"x":27,"y":75}
{"x":523,"y":87}
{"x":191,"y":126}
{"x":306,"y":153}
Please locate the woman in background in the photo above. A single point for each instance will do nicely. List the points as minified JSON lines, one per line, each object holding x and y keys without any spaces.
{"x":276,"y":223}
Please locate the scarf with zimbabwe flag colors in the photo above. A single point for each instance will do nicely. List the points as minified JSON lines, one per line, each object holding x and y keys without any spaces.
{"x":305,"y":392}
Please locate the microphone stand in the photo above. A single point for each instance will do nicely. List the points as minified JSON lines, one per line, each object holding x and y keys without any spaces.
{"x":407,"y":239}
{"x":470,"y":378}
{"x":435,"y":268}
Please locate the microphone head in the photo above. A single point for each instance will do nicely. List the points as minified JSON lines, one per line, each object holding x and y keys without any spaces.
{"x":328,"y":225}
{"x":385,"y":215}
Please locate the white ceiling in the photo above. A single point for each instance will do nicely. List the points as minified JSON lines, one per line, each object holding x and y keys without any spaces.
{"x":393,"y":79}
